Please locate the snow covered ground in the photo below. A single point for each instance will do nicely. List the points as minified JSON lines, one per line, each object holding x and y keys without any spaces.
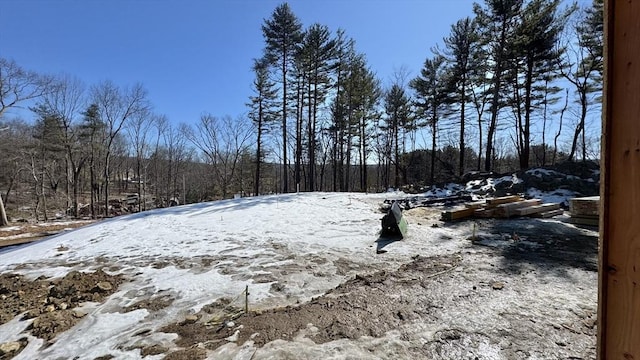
{"x":287,"y":249}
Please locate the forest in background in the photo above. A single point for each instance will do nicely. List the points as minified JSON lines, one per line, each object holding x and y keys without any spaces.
{"x":514,"y":86}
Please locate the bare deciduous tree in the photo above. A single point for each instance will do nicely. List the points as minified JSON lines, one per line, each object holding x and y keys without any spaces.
{"x":67,"y":100}
{"x":138,"y":131}
{"x":223,"y":141}
{"x":116,"y":106}
{"x":18,"y":85}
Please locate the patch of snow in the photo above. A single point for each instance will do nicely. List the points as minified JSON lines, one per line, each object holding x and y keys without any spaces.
{"x":96,"y":335}
{"x":515,"y":179}
{"x":10,"y":228}
{"x":196,"y":254}
{"x":561,"y":196}
{"x":309,"y":243}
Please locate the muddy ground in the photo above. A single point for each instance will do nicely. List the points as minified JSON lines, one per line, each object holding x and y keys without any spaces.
{"x":521,"y":288}
{"x":51,"y":304}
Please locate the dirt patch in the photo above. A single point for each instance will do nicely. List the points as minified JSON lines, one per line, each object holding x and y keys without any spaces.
{"x":153,"y":304}
{"x":361,"y":306}
{"x":105,"y":357}
{"x":497,"y":293}
{"x":188,"y":354}
{"x":153,"y":350}
{"x":52,"y":302}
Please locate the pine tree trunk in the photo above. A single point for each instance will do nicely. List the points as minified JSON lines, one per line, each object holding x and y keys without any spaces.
{"x":580,"y":127}
{"x":285,"y":175}
{"x":495,"y":99}
{"x":299,"y":107}
{"x":526,"y":132}
{"x":256,"y":185}
{"x":462,"y":121}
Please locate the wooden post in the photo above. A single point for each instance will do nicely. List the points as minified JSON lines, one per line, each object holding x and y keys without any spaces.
{"x":619,"y":265}
{"x":246,"y":299}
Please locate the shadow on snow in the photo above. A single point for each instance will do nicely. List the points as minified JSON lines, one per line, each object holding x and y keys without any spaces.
{"x":550,"y":246}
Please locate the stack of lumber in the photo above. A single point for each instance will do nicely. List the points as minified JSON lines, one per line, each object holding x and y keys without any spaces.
{"x":504,"y":207}
{"x":585,"y":210}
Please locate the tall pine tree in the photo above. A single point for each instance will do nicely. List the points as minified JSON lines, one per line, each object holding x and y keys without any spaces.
{"x":497,"y":22}
{"x":282,"y":34}
{"x":534,"y":56}
{"x":430,"y":88}
{"x":317,"y":54}
{"x":584,"y":66}
{"x":261,"y":111}
{"x":462,"y":52}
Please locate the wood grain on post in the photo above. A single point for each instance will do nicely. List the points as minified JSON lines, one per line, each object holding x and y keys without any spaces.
{"x":619,"y":281}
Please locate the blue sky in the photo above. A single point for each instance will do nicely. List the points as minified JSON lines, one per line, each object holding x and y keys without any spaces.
{"x":195,"y":56}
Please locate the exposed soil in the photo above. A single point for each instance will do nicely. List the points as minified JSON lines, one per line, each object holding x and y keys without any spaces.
{"x":152,"y":304}
{"x":512,"y":263}
{"x":360,"y":307}
{"x":188,"y":354}
{"x":429,"y":290}
{"x":52,"y":303}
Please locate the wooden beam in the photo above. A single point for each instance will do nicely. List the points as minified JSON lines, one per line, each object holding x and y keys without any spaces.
{"x":536,"y":209}
{"x":508,"y":210}
{"x":548,"y":214}
{"x":619,"y":265}
{"x":484,"y":213}
{"x":457,"y":214}
{"x":585,"y":206}
{"x":503,"y":200}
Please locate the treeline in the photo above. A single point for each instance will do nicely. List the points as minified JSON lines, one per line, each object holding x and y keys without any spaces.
{"x":518,"y":79}
{"x":508,"y":88}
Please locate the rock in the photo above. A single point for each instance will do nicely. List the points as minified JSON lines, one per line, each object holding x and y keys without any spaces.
{"x":9,"y":347}
{"x":277,"y":287}
{"x":231,"y":324}
{"x":63,"y":306}
{"x":62,"y":290}
{"x":31,"y":314}
{"x":50,"y":308}
{"x":104,"y":286}
{"x":497,"y":286}
{"x":78,"y":314}
{"x":190,"y":319}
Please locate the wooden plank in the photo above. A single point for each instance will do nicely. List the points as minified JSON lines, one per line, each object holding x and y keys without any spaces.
{"x":475,"y":205}
{"x":588,"y":217}
{"x":484,"y":213}
{"x":536,"y":209}
{"x":548,"y":214}
{"x":619,"y":290}
{"x":503,"y":200}
{"x":508,"y":210}
{"x":585,"y":206}
{"x":457,"y":214}
{"x":19,"y":241}
{"x":584,"y":221}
